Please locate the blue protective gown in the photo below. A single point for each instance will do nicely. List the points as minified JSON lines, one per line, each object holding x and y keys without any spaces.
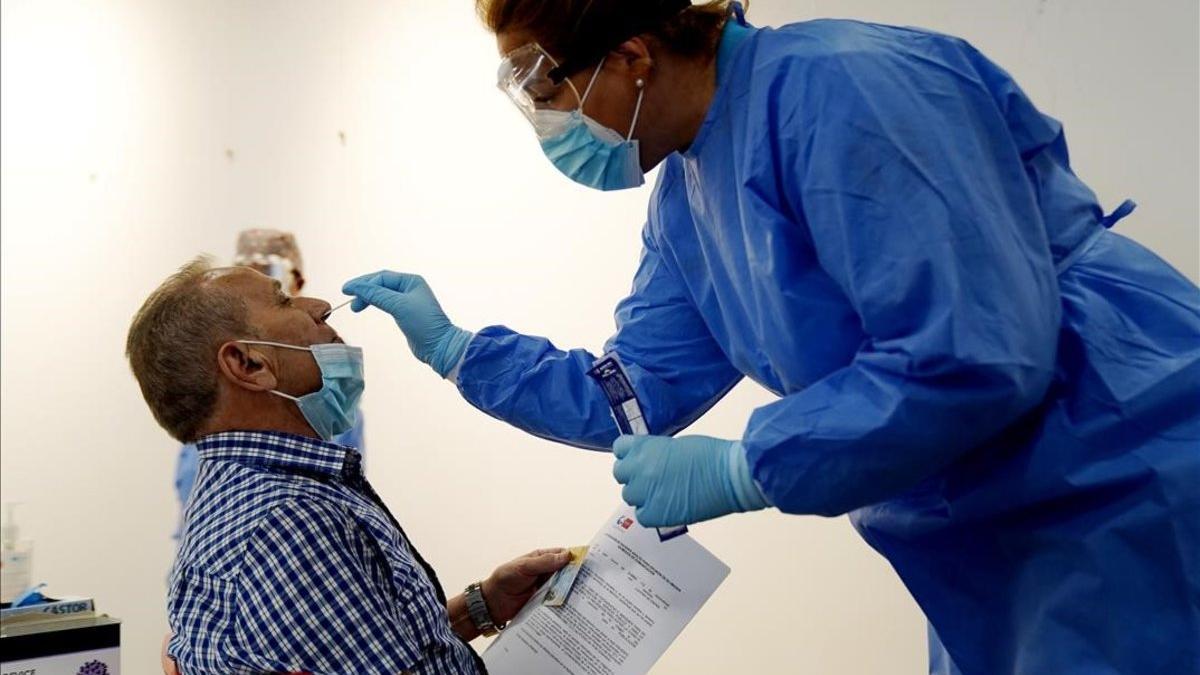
{"x":877,"y":225}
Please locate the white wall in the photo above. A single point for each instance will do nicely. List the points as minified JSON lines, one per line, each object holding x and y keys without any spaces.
{"x":136,"y":134}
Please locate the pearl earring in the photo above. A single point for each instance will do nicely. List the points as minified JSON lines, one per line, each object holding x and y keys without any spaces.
{"x":640,"y":83}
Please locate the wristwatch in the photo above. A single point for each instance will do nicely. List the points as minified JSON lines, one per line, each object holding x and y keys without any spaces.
{"x":477,"y":608}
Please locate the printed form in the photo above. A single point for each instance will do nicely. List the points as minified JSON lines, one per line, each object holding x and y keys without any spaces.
{"x":633,"y":596}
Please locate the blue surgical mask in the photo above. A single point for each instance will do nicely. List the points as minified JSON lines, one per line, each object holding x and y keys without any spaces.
{"x":588,"y":152}
{"x":333,"y":409}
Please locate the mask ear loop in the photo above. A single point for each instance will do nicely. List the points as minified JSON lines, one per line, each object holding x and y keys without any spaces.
{"x":641,"y":85}
{"x":637,"y":107}
{"x":278,"y":344}
{"x":275,"y":344}
{"x":599,"y":67}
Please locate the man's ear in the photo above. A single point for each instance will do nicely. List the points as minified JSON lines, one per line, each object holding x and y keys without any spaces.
{"x":634,"y":57}
{"x":246,"y":367}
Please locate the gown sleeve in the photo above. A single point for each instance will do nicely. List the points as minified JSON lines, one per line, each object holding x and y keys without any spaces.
{"x":677,"y":368}
{"x":919,"y":209}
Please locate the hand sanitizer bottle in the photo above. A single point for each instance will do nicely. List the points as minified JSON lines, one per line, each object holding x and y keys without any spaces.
{"x":16,"y":557}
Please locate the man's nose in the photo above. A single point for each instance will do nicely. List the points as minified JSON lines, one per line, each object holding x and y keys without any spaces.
{"x":318,"y":309}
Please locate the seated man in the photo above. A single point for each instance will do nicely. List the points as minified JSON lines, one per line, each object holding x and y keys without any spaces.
{"x":289,"y":560}
{"x":277,"y":255}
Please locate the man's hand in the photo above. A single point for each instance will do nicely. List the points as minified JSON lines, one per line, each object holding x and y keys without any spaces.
{"x":168,"y":664}
{"x":512,"y":584}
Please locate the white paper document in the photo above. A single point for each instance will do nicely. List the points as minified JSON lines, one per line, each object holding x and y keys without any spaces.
{"x":632,"y":598}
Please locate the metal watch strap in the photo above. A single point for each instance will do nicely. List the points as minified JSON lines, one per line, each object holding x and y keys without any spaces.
{"x":477,"y":608}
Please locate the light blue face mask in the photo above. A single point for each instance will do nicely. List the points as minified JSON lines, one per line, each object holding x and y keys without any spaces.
{"x":588,"y":152}
{"x":333,"y":409}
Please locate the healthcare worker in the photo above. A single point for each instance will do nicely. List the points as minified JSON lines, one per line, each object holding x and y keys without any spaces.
{"x":276,"y":254}
{"x":876,"y":224}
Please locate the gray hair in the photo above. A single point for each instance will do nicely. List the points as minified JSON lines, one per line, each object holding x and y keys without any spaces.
{"x":173,"y":342}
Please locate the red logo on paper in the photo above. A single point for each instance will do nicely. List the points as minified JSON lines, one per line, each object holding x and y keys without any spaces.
{"x":624,"y":523}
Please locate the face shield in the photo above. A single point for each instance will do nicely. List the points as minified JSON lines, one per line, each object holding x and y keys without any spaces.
{"x":274,"y":266}
{"x":524,"y":76}
{"x":272,"y":252}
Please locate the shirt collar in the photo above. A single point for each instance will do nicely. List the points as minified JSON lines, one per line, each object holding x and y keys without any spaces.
{"x":287,"y":453}
{"x":734,"y":33}
{"x":733,"y":36}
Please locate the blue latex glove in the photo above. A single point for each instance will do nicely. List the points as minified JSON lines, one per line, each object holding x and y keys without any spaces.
{"x":683,"y":480}
{"x":410,"y":301}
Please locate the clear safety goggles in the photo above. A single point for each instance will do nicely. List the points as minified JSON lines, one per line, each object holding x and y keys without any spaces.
{"x":524,"y":76}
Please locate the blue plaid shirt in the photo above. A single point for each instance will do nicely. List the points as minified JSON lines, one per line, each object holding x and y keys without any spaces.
{"x":290,"y":562}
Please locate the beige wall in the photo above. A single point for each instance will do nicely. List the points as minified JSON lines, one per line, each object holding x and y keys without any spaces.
{"x":136,"y":134}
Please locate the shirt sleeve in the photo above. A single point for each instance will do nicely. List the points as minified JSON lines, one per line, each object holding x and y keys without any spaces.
{"x":315,"y":595}
{"x":919,"y":209}
{"x":677,"y":368}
